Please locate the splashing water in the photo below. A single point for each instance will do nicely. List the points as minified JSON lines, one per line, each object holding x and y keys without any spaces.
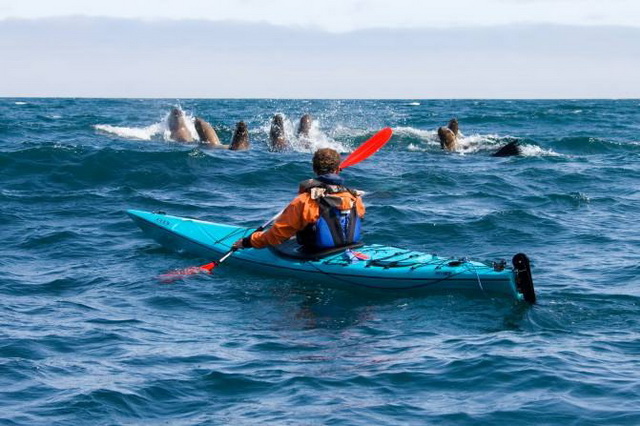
{"x":147,"y":133}
{"x":320,"y":136}
{"x":140,"y":133}
{"x":317,"y":138}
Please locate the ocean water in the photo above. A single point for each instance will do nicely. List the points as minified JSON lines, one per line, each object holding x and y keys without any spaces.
{"x":90,"y":336}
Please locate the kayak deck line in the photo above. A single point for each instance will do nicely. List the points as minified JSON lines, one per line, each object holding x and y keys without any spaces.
{"x":388,"y":268}
{"x":306,"y":261}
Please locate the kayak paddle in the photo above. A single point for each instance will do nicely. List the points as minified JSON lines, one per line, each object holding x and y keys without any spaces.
{"x":364,"y":151}
{"x":368,"y":148}
{"x":208,"y":268}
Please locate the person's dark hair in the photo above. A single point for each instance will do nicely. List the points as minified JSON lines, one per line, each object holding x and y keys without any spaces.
{"x":326,"y":160}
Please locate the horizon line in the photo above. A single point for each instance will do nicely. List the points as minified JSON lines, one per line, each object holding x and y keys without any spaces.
{"x":315,"y":28}
{"x":586,"y":98}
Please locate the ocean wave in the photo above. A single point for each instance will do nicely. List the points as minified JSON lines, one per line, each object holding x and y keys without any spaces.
{"x":584,"y":145}
{"x":427,"y":141}
{"x":91,"y":336}
{"x":148,"y":132}
{"x":340,"y":137}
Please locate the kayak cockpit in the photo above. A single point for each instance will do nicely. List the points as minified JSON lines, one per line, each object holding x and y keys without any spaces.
{"x":292,"y":250}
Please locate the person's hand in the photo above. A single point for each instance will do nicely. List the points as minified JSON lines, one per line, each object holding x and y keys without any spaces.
{"x":237,"y":245}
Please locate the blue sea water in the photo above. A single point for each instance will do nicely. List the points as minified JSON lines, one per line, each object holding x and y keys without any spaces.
{"x":90,"y":336}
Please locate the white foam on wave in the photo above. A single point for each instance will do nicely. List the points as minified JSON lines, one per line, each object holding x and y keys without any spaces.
{"x":146,"y":133}
{"x":471,"y":144}
{"x":426,"y":135}
{"x":139,"y":133}
{"x":19,"y":103}
{"x":428,"y":138}
{"x":492,"y":143}
{"x":536,"y":151}
{"x":475,"y":143}
{"x":413,"y":147}
{"x":343,"y":132}
{"x":414,"y":104}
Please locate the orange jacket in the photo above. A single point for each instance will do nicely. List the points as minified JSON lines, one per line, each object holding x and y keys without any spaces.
{"x":302,"y":211}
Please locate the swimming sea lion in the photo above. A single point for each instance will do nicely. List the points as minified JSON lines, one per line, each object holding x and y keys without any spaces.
{"x":449,"y":140}
{"x":178,"y":127}
{"x":206,"y":132}
{"x":305,"y":126}
{"x":277,"y":137}
{"x":240,"y":140}
{"x":508,"y":150}
{"x":449,"y":135}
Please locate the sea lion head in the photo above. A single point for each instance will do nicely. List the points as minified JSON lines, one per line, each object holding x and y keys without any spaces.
{"x":206,"y":132}
{"x":278,"y":120}
{"x":305,"y":126}
{"x":178,"y":126}
{"x":241,"y":128}
{"x":453,"y":126}
{"x":176,"y":113}
{"x":176,"y":116}
{"x":198,"y":125}
{"x":240,"y":140}
{"x":276,"y":134}
{"x":305,"y":122}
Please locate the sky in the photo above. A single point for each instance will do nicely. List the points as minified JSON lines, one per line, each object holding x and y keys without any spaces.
{"x":321,"y":48}
{"x":345,"y":15}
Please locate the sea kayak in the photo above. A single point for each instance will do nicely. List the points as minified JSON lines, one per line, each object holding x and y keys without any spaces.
{"x":369,"y":265}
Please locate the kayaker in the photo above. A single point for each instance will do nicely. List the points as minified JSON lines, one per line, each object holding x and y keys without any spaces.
{"x":324,"y":215}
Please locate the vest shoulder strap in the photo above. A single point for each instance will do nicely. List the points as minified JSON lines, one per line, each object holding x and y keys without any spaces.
{"x":319,"y":189}
{"x":306,"y":185}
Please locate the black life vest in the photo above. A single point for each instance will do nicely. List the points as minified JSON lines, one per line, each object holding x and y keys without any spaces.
{"x":335,"y":227}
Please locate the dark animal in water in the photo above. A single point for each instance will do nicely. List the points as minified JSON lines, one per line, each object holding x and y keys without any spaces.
{"x":305,"y":126}
{"x":177,"y":126}
{"x":206,"y":133}
{"x":449,"y":135}
{"x":449,"y":140}
{"x":240,"y":140}
{"x":277,"y":138}
{"x":512,"y":148}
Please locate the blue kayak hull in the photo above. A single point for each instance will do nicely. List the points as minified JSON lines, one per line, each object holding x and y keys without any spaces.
{"x":387,"y":267}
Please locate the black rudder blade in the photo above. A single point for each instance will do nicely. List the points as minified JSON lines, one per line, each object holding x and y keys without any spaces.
{"x":524,"y":281}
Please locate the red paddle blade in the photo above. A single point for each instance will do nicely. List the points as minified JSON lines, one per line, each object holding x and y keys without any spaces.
{"x":178,"y":274}
{"x":368,"y":148}
{"x":209,"y":267}
{"x":361,"y":256}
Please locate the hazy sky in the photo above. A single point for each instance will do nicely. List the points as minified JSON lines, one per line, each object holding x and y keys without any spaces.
{"x":321,"y":49}
{"x":346,"y":15}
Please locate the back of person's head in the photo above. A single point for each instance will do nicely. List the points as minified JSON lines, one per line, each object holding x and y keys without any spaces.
{"x":326,"y":160}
